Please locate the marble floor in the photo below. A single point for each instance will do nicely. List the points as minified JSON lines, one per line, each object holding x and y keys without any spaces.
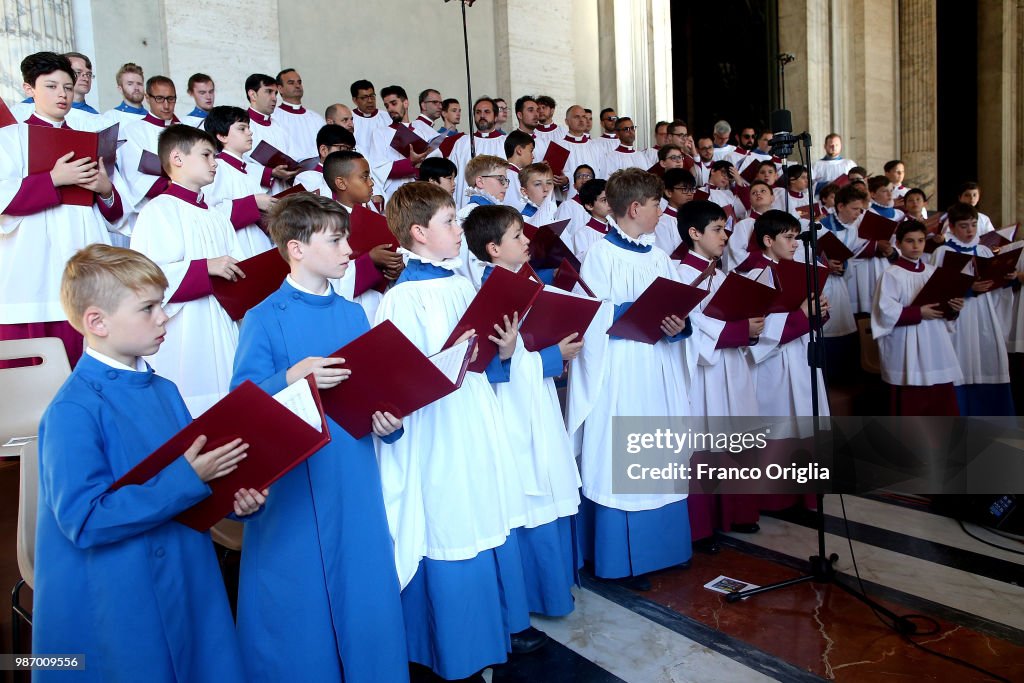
{"x":911,"y":560}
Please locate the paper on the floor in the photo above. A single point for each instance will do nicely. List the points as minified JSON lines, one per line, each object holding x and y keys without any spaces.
{"x":723,"y":584}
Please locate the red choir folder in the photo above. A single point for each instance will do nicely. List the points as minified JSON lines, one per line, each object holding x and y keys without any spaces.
{"x":406,"y":138}
{"x":556,"y":315}
{"x":264,"y":274}
{"x":309,"y":164}
{"x":955,"y":260}
{"x":556,"y":156}
{"x":899,"y":203}
{"x":369,"y":229}
{"x":664,"y":297}
{"x":740,"y":298}
{"x":792,"y":279}
{"x":876,"y":228}
{"x":832,"y":247}
{"x":566,"y":278}
{"x":547,"y":250}
{"x":805,"y":211}
{"x":278,"y":438}
{"x":841,"y":181}
{"x":943,"y":285}
{"x":296,"y":189}
{"x":702,"y":195}
{"x":750,"y":171}
{"x":272,"y":157}
{"x":390,"y":374}
{"x":933,"y":224}
{"x":448,"y":144}
{"x":680,"y":253}
{"x":504,"y":293}
{"x":997,"y":267}
{"x":997,"y":239}
{"x":46,"y":145}
{"x":149,"y":164}
{"x":6,"y":117}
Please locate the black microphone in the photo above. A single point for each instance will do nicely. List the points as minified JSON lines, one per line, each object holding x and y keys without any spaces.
{"x":782,"y":133}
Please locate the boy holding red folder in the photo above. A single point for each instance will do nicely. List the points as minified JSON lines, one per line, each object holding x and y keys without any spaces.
{"x":451,"y":487}
{"x":318,"y":594}
{"x":117,"y":578}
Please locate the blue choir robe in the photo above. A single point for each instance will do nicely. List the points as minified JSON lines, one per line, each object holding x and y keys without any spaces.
{"x":117,"y":579}
{"x":318,"y":592}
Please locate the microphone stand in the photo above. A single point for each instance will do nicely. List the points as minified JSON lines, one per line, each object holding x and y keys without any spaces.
{"x":469,"y":84}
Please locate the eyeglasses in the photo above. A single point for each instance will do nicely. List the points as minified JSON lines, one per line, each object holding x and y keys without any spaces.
{"x":747,"y":137}
{"x":501,"y":108}
{"x":584,"y":176}
{"x":626,"y":129}
{"x":610,"y":118}
{"x":674,"y":157}
{"x":502,"y":179}
{"x":160,"y":99}
{"x":684,"y":189}
{"x":704,"y":148}
{"x":84,"y":74}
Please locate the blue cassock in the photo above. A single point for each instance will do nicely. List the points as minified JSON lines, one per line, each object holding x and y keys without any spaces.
{"x":139,"y":595}
{"x":318,"y":590}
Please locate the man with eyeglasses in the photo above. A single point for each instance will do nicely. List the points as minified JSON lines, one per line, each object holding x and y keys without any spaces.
{"x":430,"y":111}
{"x":678,"y":133}
{"x":760,"y":151}
{"x":487,"y":140}
{"x":500,"y":115}
{"x":625,"y":155}
{"x":300,"y":124}
{"x":609,"y":139}
{"x":366,"y":117}
{"x":671,"y":156}
{"x":81,"y":116}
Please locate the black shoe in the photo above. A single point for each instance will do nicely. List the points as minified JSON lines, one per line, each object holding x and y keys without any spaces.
{"x":751,"y":528}
{"x":527,"y":641}
{"x":635,"y":583}
{"x":709,"y":546}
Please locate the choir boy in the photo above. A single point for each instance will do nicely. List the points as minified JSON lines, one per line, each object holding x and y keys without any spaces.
{"x":827,"y":198}
{"x":451,"y":487}
{"x":202,"y":91}
{"x":118,"y":579}
{"x":915,"y":343}
{"x":880,"y":189}
{"x":519,"y":148}
{"x":321,"y":545}
{"x":796,"y":181}
{"x":915,"y":204}
{"x":679,"y":189}
{"x":487,"y":179}
{"x":300,"y":124}
{"x":440,"y":171}
{"x":761,"y":201}
{"x":573,"y":209}
{"x":869,"y":257}
{"x":192,"y":245}
{"x":131,"y":84}
{"x":81,"y":116}
{"x":39,"y":233}
{"x":718,"y":188}
{"x":895,"y":171}
{"x":536,"y":186}
{"x":628,"y":535}
{"x":970,"y":193}
{"x":594,"y":199}
{"x":857,"y":174}
{"x":330,"y":138}
{"x":451,"y":116}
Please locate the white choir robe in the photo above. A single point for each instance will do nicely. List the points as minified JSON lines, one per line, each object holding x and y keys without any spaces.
{"x":572,"y":210}
{"x":701,"y":172}
{"x":723,"y":384}
{"x":586,"y":236}
{"x":35,"y":248}
{"x":194,"y":121}
{"x":666,"y":233}
{"x":301,"y":126}
{"x":383,"y":157}
{"x":824,"y":171}
{"x":606,"y":141}
{"x":199,"y":349}
{"x":736,"y":249}
{"x":112,"y":116}
{"x":780,"y":199}
{"x":266,"y":128}
{"x":862,"y":273}
{"x":451,"y":484}
{"x":424,"y":127}
{"x":614,"y":377}
{"x":364,"y":125}
{"x":984,"y":225}
{"x":741,"y":159}
{"x":911,"y":355}
{"x":313,"y":180}
{"x":723,"y":152}
{"x":978,"y":335}
{"x":345,"y":286}
{"x":583,"y":150}
{"x":549,"y":132}
{"x":837,"y":290}
{"x":724,"y":198}
{"x":140,"y":135}
{"x":492,"y":143}
{"x":544,"y":214}
{"x":76,"y":118}
{"x":231,"y":193}
{"x":513,"y":197}
{"x":621,"y":157}
{"x":900,"y":191}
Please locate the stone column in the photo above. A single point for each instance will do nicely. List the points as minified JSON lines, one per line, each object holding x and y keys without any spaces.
{"x":918,"y":119}
{"x":998,"y":108}
{"x":535,"y":51}
{"x":804,"y":32}
{"x":1019,"y":215}
{"x":30,"y":26}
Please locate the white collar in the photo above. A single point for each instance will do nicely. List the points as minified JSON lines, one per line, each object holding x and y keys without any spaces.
{"x":140,"y":365}
{"x":645,"y":240}
{"x":305,"y":290}
{"x":972,"y":243}
{"x":477,"y":192}
{"x":451,"y":264}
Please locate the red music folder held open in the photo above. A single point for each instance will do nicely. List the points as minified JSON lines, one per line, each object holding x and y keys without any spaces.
{"x":554,"y":316}
{"x":943,"y":285}
{"x":740,"y":298}
{"x":547,"y":250}
{"x":271,"y":157}
{"x":47,"y":144}
{"x":833,"y":248}
{"x":566,"y":277}
{"x":277,"y":428}
{"x":792,"y":278}
{"x":876,"y":227}
{"x":264,"y":274}
{"x":664,"y":297}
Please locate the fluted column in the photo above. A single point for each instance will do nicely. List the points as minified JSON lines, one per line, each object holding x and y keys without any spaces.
{"x":30,"y":26}
{"x":918,"y":118}
{"x":998,"y":108}
{"x":1019,"y":92}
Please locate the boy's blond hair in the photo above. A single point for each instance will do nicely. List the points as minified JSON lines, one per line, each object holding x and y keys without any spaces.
{"x":485,"y":164}
{"x":527,"y":172}
{"x":100,"y":275}
{"x":415,"y":204}
{"x":631,"y":185}
{"x":300,"y":216}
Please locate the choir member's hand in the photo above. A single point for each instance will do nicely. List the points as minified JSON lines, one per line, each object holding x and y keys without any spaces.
{"x":569,"y":348}
{"x":885,"y":248}
{"x":264,"y":202}
{"x":755,"y":326}
{"x":68,"y":171}
{"x":385,"y":423}
{"x":835,"y":267}
{"x":825,"y":306}
{"x":385,"y":259}
{"x":956,"y":304}
{"x":982,"y":286}
{"x":1020,"y":275}
{"x":938,"y":238}
{"x":249,"y":501}
{"x":561,"y":180}
{"x":673,"y":325}
{"x":225,"y":267}
{"x":416,"y":159}
{"x":218,"y":462}
{"x":100,"y":183}
{"x":324,"y":372}
{"x":506,"y":338}
{"x":932,"y":312}
{"x":466,"y":335}
{"x":282,"y":173}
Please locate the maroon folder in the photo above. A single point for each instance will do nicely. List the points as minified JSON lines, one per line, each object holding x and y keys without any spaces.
{"x":264,"y":274}
{"x":406,"y":138}
{"x":503,"y":294}
{"x":554,"y":316}
{"x":369,"y":229}
{"x":309,"y":164}
{"x":566,"y":278}
{"x":680,"y":252}
{"x":997,"y":239}
{"x":740,"y":298}
{"x":804,"y":210}
{"x":702,"y":195}
{"x":149,"y":164}
{"x":792,"y":279}
{"x":556,"y":156}
{"x":841,"y":181}
{"x":547,"y":250}
{"x":997,"y":267}
{"x":664,"y":297}
{"x":742,"y":193}
{"x":270,"y":156}
{"x":47,"y":144}
{"x":833,"y":248}
{"x":278,"y":441}
{"x":955,"y":260}
{"x":6,"y":117}
{"x":389,"y":374}
{"x":448,"y":144}
{"x":876,"y":228}
{"x":750,"y":172}
{"x":943,"y":285}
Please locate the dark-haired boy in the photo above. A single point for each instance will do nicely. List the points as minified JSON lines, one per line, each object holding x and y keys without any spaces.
{"x":880,"y":189}
{"x":679,"y":189}
{"x":519,"y":148}
{"x":329,"y":139}
{"x":593,"y":198}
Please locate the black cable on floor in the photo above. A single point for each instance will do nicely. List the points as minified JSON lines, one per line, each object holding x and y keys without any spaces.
{"x":982,"y":540}
{"x":935,"y":628}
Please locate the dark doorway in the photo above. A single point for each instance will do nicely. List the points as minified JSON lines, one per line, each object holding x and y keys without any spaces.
{"x":724,"y":62}
{"x":957,"y":108}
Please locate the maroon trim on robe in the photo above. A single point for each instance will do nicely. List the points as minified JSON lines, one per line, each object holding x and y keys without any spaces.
{"x":696,"y":262}
{"x":910,"y":315}
{"x":425,"y":120}
{"x":244,"y":212}
{"x":36,"y":194}
{"x":115,"y":211}
{"x":734,"y":335}
{"x":487,"y":136}
{"x":73,"y":342}
{"x":365,"y":116}
{"x":624,"y":150}
{"x":186,"y":195}
{"x":232,"y":161}
{"x":669,"y":211}
{"x":195,"y":285}
{"x":935,"y":400}
{"x":513,"y":167}
{"x":595,"y":224}
{"x":907,"y":264}
{"x":34,"y":120}
{"x":576,"y":198}
{"x":268,"y":177}
{"x":569,"y":138}
{"x":159,"y":123}
{"x":403,"y":169}
{"x":291,"y":109}
{"x":367,"y":275}
{"x":797,"y":325}
{"x":258,"y":118}
{"x":159,"y":187}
